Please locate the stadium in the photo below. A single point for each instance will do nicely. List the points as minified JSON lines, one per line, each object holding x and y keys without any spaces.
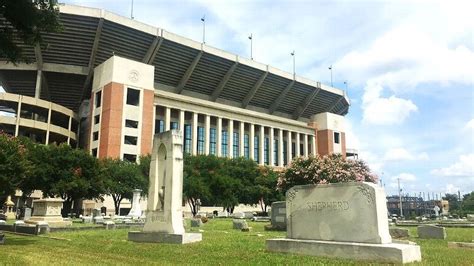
{"x":107,"y":83}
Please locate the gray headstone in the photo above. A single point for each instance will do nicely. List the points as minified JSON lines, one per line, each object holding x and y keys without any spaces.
{"x":196,"y":222}
{"x":399,"y":232}
{"x":279,"y":214}
{"x":27,"y":214}
{"x":238,"y":215}
{"x":2,"y":222}
{"x":42,"y":228}
{"x":109,"y":225}
{"x":87,"y":219}
{"x":350,"y":212}
{"x":239,"y":224}
{"x":431,"y":232}
{"x":96,"y":212}
{"x":98,"y":220}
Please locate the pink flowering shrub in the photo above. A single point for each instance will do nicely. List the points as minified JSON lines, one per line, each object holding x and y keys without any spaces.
{"x":324,"y":169}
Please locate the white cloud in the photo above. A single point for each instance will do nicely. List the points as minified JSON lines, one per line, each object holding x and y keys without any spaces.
{"x":401,"y":154}
{"x":464,"y":167}
{"x":470,"y":125}
{"x":451,"y":188}
{"x":405,"y":177}
{"x":352,"y":141}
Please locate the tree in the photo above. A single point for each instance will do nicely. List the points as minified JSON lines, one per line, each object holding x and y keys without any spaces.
{"x":72,"y":174}
{"x":25,"y":20}
{"x":197,"y":174}
{"x":14,"y":166}
{"x":121,"y":178}
{"x":324,"y":169}
{"x":468,"y":203}
{"x":266,"y":188}
{"x":144,"y":165}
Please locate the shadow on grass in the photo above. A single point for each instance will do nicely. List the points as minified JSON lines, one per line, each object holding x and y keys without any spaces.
{"x":18,"y":240}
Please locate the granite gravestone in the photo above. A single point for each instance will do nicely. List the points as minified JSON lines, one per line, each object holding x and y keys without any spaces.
{"x":48,"y":210}
{"x":279,"y":215}
{"x":346,"y":220}
{"x":27,"y":214}
{"x":164,"y":216}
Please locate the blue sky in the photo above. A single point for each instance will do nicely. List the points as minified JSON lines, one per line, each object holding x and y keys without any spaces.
{"x":409,"y":67}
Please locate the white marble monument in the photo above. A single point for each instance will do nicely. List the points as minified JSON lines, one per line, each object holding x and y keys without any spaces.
{"x":136,"y":210}
{"x":345,"y":220}
{"x":48,"y":210}
{"x":164,"y":216}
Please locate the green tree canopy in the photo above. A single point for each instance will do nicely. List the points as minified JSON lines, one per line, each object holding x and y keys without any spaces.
{"x":26,"y":21}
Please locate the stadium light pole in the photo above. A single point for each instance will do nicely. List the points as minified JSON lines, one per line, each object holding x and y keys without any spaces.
{"x":400,"y":197}
{"x":131,"y":12}
{"x":347,"y":92}
{"x":294,"y":67}
{"x":203,"y":19}
{"x":330,"y":68}
{"x":251,"y":46}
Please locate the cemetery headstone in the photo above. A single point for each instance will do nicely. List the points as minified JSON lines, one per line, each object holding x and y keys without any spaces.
{"x":398,"y":232}
{"x":238,"y":215}
{"x":42,"y":228}
{"x":87,"y":219}
{"x":239,"y":224}
{"x":136,"y":210}
{"x":196,"y":222}
{"x":278,"y":215}
{"x":431,"y":232}
{"x":96,"y":212}
{"x":109,"y":225}
{"x":3,"y":222}
{"x":344,"y":220}
{"x":98,"y":219}
{"x":27,"y":214}
{"x":48,"y":210}
{"x":164,"y":215}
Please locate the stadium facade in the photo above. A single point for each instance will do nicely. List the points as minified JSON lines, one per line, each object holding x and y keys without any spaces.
{"x":107,"y":83}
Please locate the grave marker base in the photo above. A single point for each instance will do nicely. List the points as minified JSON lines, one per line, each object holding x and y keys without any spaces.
{"x":394,"y":253}
{"x":157,"y":237}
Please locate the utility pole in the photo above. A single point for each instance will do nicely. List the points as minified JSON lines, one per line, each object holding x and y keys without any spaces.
{"x":203,"y":19}
{"x":251,"y":48}
{"x":330,"y":68}
{"x":400,"y":197}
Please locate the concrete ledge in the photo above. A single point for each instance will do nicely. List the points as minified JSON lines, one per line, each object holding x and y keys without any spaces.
{"x":461,"y":245}
{"x":156,"y":237}
{"x":394,"y":253}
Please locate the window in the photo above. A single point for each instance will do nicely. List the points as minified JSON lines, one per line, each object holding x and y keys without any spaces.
{"x":224,"y":143}
{"x":256,"y":145}
{"x":285,"y":152}
{"x":200,"y":140}
{"x":174,"y":125}
{"x":95,"y":136}
{"x":131,"y":123}
{"x":235,"y":145}
{"x":336,"y":137}
{"x":159,"y":126}
{"x":187,"y":138}
{"x":133,"y":97}
{"x":213,"y":142}
{"x":293,"y":150}
{"x":96,"y":119}
{"x":275,"y":152}
{"x":94,"y":152}
{"x":130,"y":140}
{"x":98,"y":99}
{"x":129,"y":157}
{"x":246,"y":146}
{"x":266,"y":151}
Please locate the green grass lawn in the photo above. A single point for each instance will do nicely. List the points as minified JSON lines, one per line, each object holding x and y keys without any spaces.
{"x":221,"y":245}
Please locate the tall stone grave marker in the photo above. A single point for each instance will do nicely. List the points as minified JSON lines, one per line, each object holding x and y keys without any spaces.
{"x":136,"y":210}
{"x":164,"y":217}
{"x":345,"y":220}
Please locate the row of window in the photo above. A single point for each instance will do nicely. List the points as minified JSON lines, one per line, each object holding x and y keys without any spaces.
{"x":133,"y":98}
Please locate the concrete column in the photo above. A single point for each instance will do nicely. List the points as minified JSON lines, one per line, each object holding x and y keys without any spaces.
{"x":69,"y":129}
{"x":219,"y":137}
{"x":230,"y":138}
{"x":280,"y":147}
{"x":262,"y":145}
{"x":252,"y":141}
{"x":49,"y":124}
{"x":241,"y":139}
{"x":207,"y":133}
{"x":297,"y":144}
{"x":181,"y":121}
{"x":194,"y":135}
{"x":288,"y":148}
{"x":313,"y":145}
{"x":39,"y":76}
{"x":18,"y":113}
{"x":167,"y":118}
{"x":271,"y":147}
{"x":305,"y":146}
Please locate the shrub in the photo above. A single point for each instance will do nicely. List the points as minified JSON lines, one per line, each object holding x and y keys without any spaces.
{"x":324,"y":169}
